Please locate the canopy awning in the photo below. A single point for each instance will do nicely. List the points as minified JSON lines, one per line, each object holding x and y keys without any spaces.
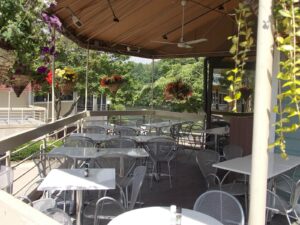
{"x":141,"y":23}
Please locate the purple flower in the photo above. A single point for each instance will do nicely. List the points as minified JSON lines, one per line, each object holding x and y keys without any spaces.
{"x":55,"y":22}
{"x":42,"y":70}
{"x":52,"y":5}
{"x":51,"y":20}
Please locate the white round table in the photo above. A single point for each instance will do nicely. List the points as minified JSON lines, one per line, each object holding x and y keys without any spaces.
{"x":162,"y":216}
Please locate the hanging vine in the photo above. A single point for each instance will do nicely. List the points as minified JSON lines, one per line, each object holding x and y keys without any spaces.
{"x":287,"y":22}
{"x":241,"y":45}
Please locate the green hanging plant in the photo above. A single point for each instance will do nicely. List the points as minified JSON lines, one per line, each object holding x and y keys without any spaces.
{"x":241,"y":46}
{"x":287,"y":22}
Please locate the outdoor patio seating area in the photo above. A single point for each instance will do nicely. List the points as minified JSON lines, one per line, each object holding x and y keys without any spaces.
{"x":105,"y":166}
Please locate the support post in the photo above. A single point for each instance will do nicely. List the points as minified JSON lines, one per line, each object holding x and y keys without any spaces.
{"x":152,"y":85}
{"x":53,"y":79}
{"x":209,"y":94}
{"x":86,"y":78}
{"x":262,"y":112}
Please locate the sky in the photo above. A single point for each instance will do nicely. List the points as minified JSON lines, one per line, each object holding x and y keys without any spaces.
{"x":140,"y":60}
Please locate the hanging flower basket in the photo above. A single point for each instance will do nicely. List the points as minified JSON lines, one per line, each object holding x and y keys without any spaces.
{"x":67,"y":87}
{"x":65,"y":80}
{"x":113,"y":83}
{"x":114,"y":87}
{"x":19,"y":82}
{"x":7,"y":60}
{"x":177,"y":91}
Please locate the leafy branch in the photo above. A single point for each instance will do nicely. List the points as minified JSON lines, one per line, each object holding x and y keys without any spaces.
{"x":241,"y":45}
{"x":287,"y":22}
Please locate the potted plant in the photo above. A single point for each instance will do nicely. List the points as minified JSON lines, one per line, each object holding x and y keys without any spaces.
{"x":177,"y":91}
{"x":20,"y":37}
{"x":112,"y":82}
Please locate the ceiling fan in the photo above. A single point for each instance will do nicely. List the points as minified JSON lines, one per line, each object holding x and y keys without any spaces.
{"x":182,"y":43}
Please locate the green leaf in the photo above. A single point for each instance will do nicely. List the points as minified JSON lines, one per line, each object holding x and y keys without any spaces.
{"x":237,"y":95}
{"x":228,"y":99}
{"x":230,"y":78}
{"x":285,"y":13}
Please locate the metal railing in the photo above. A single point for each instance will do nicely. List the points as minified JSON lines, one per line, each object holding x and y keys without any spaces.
{"x":9,"y":115}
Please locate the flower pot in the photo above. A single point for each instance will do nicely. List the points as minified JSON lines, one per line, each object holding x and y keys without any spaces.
{"x":114,"y":87}
{"x":19,"y":83}
{"x":7,"y":60}
{"x":66,"y":88}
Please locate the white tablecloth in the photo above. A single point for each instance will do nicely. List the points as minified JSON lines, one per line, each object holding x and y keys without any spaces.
{"x":162,"y":216}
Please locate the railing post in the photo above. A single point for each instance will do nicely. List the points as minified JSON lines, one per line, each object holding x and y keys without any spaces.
{"x":7,"y":158}
{"x":144,"y":119}
{"x":65,"y":131}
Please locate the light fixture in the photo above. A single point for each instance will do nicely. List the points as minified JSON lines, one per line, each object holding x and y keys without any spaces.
{"x":77,"y":22}
{"x":115,"y":19}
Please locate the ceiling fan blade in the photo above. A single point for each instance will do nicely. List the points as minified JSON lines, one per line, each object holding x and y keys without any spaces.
{"x":164,"y":42}
{"x":192,"y":42}
{"x":183,"y":45}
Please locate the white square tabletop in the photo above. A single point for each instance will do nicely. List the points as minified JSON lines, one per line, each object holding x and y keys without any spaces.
{"x":90,"y":153}
{"x":74,"y":179}
{"x":276,"y":165}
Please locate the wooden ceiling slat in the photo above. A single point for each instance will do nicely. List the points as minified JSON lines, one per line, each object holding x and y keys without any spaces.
{"x":144,"y":21}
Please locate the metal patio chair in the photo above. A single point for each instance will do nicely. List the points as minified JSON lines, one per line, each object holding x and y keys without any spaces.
{"x":107,"y":207}
{"x":205,"y":160}
{"x":222,"y":206}
{"x":161,"y":150}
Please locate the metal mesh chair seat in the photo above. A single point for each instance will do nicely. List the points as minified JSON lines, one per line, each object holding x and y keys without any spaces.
{"x":222,"y":206}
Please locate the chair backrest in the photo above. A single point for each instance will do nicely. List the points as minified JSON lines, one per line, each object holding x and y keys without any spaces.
{"x":232,"y":151}
{"x":186,"y":126}
{"x":161,"y":148}
{"x":222,"y":206}
{"x":136,"y":184}
{"x":175,"y":131}
{"x":295,"y":195}
{"x":94,"y":129}
{"x":205,"y":159}
{"x":6,"y":178}
{"x":276,"y":204}
{"x":121,"y":142}
{"x":79,"y":141}
{"x":125,"y":131}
